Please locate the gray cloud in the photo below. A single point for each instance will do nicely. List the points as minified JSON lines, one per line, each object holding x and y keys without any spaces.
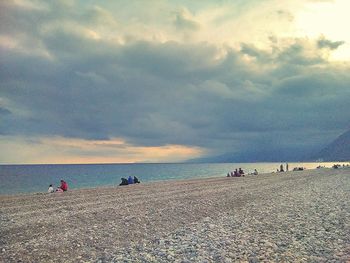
{"x":170,"y":93}
{"x":181,"y":22}
{"x":325,"y":43}
{"x":4,"y":111}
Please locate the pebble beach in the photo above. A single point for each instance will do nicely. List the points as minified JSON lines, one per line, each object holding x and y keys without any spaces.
{"x":297,"y":216}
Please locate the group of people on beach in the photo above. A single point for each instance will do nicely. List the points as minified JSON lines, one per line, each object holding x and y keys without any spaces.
{"x":236,"y":173}
{"x":336,"y":166}
{"x":282,"y":168}
{"x":64,"y":186}
{"x":130,"y":180}
{"x":60,"y":189}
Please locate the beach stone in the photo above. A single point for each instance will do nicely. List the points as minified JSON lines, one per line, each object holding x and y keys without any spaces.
{"x":242,"y":227}
{"x":207,"y":219}
{"x":211,"y":226}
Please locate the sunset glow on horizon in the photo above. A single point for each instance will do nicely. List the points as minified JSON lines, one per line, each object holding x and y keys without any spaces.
{"x":59,"y":150}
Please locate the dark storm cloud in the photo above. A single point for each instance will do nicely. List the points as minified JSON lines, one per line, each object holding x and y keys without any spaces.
{"x":152,"y":93}
{"x":4,"y":111}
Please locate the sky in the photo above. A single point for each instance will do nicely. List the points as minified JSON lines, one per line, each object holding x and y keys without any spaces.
{"x":166,"y":81}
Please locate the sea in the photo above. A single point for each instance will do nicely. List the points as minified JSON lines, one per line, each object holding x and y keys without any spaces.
{"x":17,"y":179}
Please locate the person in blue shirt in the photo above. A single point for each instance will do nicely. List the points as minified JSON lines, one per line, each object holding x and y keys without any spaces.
{"x":130,"y":180}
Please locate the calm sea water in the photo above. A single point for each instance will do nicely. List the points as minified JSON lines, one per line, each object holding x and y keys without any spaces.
{"x":36,"y":178}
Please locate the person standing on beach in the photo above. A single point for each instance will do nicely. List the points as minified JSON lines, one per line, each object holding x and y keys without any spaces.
{"x":281,"y":168}
{"x":287,"y":167}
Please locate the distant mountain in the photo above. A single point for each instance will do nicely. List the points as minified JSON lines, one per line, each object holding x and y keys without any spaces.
{"x":338,"y":150}
{"x":253,"y":156}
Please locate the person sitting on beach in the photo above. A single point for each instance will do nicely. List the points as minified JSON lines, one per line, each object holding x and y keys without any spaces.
{"x":298,"y":169}
{"x":255,"y":172}
{"x":124,"y":182}
{"x":50,"y":190}
{"x":59,"y":190}
{"x":64,"y":186}
{"x":228,"y":175}
{"x":130,"y":180}
{"x":136,"y":180}
{"x":241,"y":172}
{"x":236,"y":173}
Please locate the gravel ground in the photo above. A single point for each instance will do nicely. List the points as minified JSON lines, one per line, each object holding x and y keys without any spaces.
{"x":299,"y":216}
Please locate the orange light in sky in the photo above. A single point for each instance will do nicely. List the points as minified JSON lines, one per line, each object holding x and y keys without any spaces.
{"x":60,"y":150}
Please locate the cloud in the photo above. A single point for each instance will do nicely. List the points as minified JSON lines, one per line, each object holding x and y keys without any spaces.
{"x":4,"y":111}
{"x":126,"y":92}
{"x":184,"y":21}
{"x":285,"y":14}
{"x":325,"y":43}
{"x":69,"y":150}
{"x":89,"y":80}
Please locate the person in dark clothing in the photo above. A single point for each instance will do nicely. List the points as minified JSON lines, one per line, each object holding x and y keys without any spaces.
{"x":136,"y":180}
{"x":241,"y":172}
{"x":281,"y":168}
{"x":124,"y":182}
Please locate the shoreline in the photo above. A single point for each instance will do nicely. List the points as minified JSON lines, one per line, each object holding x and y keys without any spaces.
{"x":28,"y":180}
{"x":275,"y":217}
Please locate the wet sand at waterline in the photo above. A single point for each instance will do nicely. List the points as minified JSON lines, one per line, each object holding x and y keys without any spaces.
{"x":300,"y":216}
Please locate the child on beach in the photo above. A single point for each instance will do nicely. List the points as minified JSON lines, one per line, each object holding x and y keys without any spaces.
{"x":50,"y":189}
